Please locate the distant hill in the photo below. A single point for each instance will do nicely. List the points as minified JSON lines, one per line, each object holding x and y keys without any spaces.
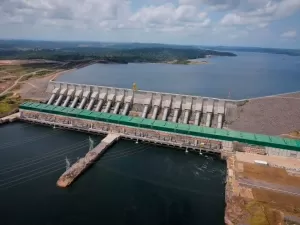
{"x":105,"y":52}
{"x":290,"y":52}
{"x":32,"y":44}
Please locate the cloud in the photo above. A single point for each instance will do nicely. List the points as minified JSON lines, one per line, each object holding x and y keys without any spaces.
{"x":57,"y":12}
{"x":102,"y":14}
{"x":168,"y":17}
{"x":289,"y":34}
{"x":263,"y":25}
{"x":214,"y":4}
{"x":270,"y":11}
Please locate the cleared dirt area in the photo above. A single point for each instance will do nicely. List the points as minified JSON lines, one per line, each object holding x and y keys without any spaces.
{"x":257,"y":194}
{"x":271,"y":115}
{"x":286,"y":203}
{"x":35,"y":88}
{"x":5,"y":84}
{"x":274,"y":160}
{"x":20,"y":62}
{"x":267,"y":174}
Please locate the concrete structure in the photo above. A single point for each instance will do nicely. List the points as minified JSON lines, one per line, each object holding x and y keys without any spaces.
{"x":68,"y":177}
{"x":185,"y":109}
{"x":10,"y":118}
{"x":160,"y":132}
{"x":147,"y":135}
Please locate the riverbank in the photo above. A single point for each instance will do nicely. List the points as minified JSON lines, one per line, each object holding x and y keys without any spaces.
{"x":187,"y":62}
{"x":28,"y":80}
{"x":33,"y":89}
{"x":262,"y":194}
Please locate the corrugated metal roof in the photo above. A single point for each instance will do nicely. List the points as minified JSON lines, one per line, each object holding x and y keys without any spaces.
{"x":171,"y":125}
{"x":75,"y":112}
{"x":137,"y":120}
{"x":42,"y":106}
{"x":59,"y":108}
{"x":195,"y":129}
{"x":95,"y":115}
{"x":35,"y":104}
{"x":125,"y":119}
{"x":159,"y":123}
{"x":49,"y":107}
{"x":182,"y":126}
{"x":147,"y":122}
{"x":114,"y":118}
{"x":104,"y":116}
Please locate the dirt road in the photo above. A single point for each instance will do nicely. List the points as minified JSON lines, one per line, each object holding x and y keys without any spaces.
{"x":17,"y":81}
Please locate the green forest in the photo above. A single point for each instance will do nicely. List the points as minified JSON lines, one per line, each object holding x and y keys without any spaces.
{"x":111,"y":55}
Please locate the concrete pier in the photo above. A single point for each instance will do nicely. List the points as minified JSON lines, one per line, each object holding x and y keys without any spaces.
{"x":10,"y":118}
{"x":68,"y":177}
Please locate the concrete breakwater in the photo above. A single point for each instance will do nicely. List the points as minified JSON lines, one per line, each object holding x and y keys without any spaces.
{"x":10,"y":118}
{"x":68,"y":177}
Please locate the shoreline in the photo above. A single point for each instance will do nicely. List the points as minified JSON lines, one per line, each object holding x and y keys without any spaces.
{"x":57,"y":74}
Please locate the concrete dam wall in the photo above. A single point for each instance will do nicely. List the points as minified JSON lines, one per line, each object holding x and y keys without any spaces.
{"x":187,"y":109}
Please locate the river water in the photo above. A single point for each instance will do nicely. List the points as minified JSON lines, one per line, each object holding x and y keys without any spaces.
{"x":246,"y":76}
{"x":131,"y":184}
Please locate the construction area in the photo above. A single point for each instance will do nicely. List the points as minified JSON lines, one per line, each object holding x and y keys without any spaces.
{"x":262,"y":190}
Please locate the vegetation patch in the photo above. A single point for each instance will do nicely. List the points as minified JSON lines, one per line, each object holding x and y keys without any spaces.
{"x":9,"y":104}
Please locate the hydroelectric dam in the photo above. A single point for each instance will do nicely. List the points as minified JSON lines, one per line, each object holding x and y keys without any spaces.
{"x":192,"y":123}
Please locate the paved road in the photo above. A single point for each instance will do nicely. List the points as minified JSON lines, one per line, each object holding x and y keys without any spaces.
{"x":271,"y":187}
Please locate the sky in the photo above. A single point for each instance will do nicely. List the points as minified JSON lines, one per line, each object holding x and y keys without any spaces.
{"x":263,"y":23}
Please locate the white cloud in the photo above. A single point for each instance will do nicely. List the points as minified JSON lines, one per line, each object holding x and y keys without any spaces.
{"x":102,"y":14}
{"x":270,"y":11}
{"x":214,"y":4}
{"x":263,"y":25}
{"x":169,"y":17}
{"x":61,"y":13}
{"x":238,"y":34}
{"x":289,"y":34}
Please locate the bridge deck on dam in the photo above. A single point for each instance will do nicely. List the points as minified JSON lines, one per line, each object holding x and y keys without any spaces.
{"x":172,"y":127}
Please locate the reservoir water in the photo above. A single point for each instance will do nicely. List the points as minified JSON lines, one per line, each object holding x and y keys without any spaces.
{"x":131,"y":184}
{"x":246,"y":76}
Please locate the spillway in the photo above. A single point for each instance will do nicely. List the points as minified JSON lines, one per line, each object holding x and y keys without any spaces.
{"x":153,"y":105}
{"x":145,"y":111}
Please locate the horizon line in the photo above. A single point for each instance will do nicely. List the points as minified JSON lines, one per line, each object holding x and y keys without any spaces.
{"x":136,"y":42}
